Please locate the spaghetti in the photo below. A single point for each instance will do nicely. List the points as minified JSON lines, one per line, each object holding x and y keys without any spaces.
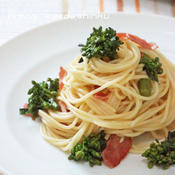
{"x":124,"y":112}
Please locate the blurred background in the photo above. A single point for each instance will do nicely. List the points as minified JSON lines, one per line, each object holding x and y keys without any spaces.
{"x":18,"y":16}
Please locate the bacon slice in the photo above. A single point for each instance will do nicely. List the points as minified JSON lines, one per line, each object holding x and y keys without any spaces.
{"x":115,"y":150}
{"x":63,"y":106}
{"x":101,"y":95}
{"x":62,"y":74}
{"x":143,"y":43}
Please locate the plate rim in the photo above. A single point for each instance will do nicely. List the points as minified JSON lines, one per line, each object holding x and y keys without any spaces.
{"x":156,"y":16}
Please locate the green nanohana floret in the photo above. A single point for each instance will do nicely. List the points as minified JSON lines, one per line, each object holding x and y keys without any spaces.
{"x":42,"y":96}
{"x":152,"y":67}
{"x":89,"y":149}
{"x":101,"y":44}
{"x":161,"y":153}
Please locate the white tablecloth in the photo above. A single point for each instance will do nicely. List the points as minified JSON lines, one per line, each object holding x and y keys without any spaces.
{"x":18,"y":16}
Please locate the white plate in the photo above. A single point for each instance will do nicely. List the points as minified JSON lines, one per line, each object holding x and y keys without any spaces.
{"x":38,"y":54}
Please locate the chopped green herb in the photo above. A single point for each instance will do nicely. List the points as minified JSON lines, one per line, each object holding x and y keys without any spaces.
{"x":161,"y":153}
{"x":101,"y":44}
{"x":152,"y":67}
{"x":89,"y":149}
{"x":42,"y":96}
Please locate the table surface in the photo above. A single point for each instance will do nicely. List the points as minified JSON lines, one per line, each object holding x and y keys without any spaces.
{"x":18,"y":16}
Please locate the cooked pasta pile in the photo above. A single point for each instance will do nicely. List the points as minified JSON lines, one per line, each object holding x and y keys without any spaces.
{"x":125,"y":112}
